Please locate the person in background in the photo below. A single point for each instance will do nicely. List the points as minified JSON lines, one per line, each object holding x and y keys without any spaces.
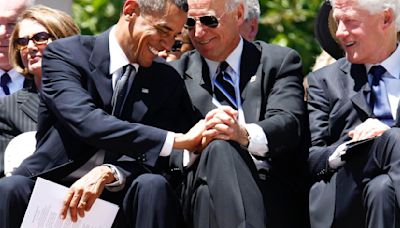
{"x":106,"y":103}
{"x":10,"y":80}
{"x":35,"y":28}
{"x":249,"y":28}
{"x":354,"y":120}
{"x":182,"y":44}
{"x":254,"y":174}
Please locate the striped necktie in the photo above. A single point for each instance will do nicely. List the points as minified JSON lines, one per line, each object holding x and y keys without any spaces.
{"x":379,"y":100}
{"x":224,"y":87}
{"x":4,"y":81}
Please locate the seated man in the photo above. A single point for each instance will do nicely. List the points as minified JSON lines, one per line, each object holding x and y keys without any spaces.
{"x":261,"y":124}
{"x":356,"y":100}
{"x":104,"y":101}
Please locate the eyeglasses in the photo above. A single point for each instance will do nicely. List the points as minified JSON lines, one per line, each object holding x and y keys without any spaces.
{"x":39,"y":39}
{"x":209,"y":21}
{"x":177,"y":46}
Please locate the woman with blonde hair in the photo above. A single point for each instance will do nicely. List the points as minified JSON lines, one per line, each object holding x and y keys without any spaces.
{"x":35,"y":29}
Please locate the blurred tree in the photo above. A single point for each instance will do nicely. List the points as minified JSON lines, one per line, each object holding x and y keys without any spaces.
{"x":95,"y":16}
{"x":291,"y":23}
{"x":285,"y":22}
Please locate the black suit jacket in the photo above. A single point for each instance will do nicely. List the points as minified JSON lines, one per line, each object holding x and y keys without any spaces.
{"x":75,"y":121}
{"x":271,"y":90}
{"x":18,"y":114}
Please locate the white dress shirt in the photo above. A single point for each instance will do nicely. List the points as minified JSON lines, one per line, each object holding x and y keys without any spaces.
{"x":17,"y":81}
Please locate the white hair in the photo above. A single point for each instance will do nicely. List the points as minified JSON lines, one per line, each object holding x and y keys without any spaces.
{"x":251,"y":9}
{"x":377,"y":6}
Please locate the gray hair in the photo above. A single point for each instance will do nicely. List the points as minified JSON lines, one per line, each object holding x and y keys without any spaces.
{"x":377,"y":6}
{"x":158,"y":6}
{"x":232,"y":4}
{"x":251,"y":9}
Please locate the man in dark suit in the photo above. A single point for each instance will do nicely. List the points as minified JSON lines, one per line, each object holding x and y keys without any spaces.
{"x":86,"y":121}
{"x":354,"y":119}
{"x":260,"y":152}
{"x":18,"y":114}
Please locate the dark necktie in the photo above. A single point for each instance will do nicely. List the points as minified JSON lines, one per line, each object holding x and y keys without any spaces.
{"x":120,"y":90}
{"x":224,"y":87}
{"x":379,"y":100}
{"x":5,"y":79}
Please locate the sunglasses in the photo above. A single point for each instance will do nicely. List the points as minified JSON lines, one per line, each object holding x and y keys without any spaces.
{"x":209,"y":21}
{"x":39,"y":39}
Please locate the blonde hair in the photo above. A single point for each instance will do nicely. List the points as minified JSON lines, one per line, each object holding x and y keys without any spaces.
{"x":58,"y":23}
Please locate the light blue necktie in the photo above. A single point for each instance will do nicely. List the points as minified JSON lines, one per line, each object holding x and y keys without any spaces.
{"x":379,"y":100}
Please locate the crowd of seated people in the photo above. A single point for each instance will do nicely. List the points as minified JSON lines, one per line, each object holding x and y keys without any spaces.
{"x":218,"y":132}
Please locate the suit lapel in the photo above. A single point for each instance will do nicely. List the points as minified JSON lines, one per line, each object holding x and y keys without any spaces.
{"x":251,"y":75}
{"x":198,"y":75}
{"x":361,"y":87}
{"x":100,"y":65}
{"x":29,"y":104}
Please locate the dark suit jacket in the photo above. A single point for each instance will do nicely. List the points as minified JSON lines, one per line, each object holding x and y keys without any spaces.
{"x":18,"y":114}
{"x":271,"y":90}
{"x":337,"y":104}
{"x":75,"y":121}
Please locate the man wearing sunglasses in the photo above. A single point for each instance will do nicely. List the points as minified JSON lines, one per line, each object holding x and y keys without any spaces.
{"x":105,"y":105}
{"x":10,"y":80}
{"x":251,"y":96}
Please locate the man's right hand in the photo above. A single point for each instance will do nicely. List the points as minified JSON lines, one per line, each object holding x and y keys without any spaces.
{"x":193,"y":140}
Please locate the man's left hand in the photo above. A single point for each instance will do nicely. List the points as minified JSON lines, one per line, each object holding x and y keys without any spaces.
{"x":83,"y":193}
{"x":370,"y":128}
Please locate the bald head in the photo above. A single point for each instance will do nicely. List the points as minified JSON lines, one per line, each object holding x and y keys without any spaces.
{"x":9,"y":12}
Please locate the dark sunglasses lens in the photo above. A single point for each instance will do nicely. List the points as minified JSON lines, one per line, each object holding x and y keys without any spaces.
{"x":210,"y":21}
{"x":190,"y":23}
{"x":177,"y":45}
{"x":41,"y":37}
{"x":22,"y":41}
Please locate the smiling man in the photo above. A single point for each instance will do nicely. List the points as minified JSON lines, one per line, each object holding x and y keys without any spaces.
{"x":352,"y":100}
{"x":106,"y":101}
{"x":251,"y":97}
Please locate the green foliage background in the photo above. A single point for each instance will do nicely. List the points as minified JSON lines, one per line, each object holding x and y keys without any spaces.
{"x":285,"y":22}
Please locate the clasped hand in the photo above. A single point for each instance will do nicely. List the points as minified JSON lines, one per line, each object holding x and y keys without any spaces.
{"x":368,"y":129}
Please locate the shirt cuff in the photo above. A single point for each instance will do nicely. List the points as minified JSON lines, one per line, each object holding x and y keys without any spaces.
{"x":119,"y":182}
{"x":188,"y":158}
{"x":335,"y":160}
{"x":258,"y":143}
{"x":167,"y":147}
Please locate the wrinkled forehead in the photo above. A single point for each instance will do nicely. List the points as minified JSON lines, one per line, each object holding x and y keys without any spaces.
{"x":10,"y":9}
{"x":205,"y":7}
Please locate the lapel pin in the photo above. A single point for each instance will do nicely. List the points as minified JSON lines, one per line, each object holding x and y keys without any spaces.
{"x":253,"y":78}
{"x":144,"y":90}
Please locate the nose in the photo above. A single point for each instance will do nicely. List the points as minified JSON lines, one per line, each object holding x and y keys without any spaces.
{"x":341,"y":31}
{"x":31,"y":44}
{"x":199,"y":29}
{"x":166,"y":43}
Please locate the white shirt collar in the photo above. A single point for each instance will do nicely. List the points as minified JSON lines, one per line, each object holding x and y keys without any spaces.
{"x":233,"y":60}
{"x":118,"y":58}
{"x":14,"y":75}
{"x":391,"y":64}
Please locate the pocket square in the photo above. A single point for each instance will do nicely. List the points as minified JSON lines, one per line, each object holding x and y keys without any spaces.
{"x":145,"y":90}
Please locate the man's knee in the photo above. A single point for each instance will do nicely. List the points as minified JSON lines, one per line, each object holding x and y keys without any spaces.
{"x":14,"y":185}
{"x":379,"y":188}
{"x":392,"y":134}
{"x":150,"y":182}
{"x":218,"y":148}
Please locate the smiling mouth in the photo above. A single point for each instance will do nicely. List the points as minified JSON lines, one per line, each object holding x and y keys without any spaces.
{"x":153,"y":50}
{"x":349,"y":44}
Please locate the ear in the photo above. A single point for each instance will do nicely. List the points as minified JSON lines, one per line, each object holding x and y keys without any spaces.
{"x":240,"y":13}
{"x":130,"y":9}
{"x":388,"y":18}
{"x":254,"y":27}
